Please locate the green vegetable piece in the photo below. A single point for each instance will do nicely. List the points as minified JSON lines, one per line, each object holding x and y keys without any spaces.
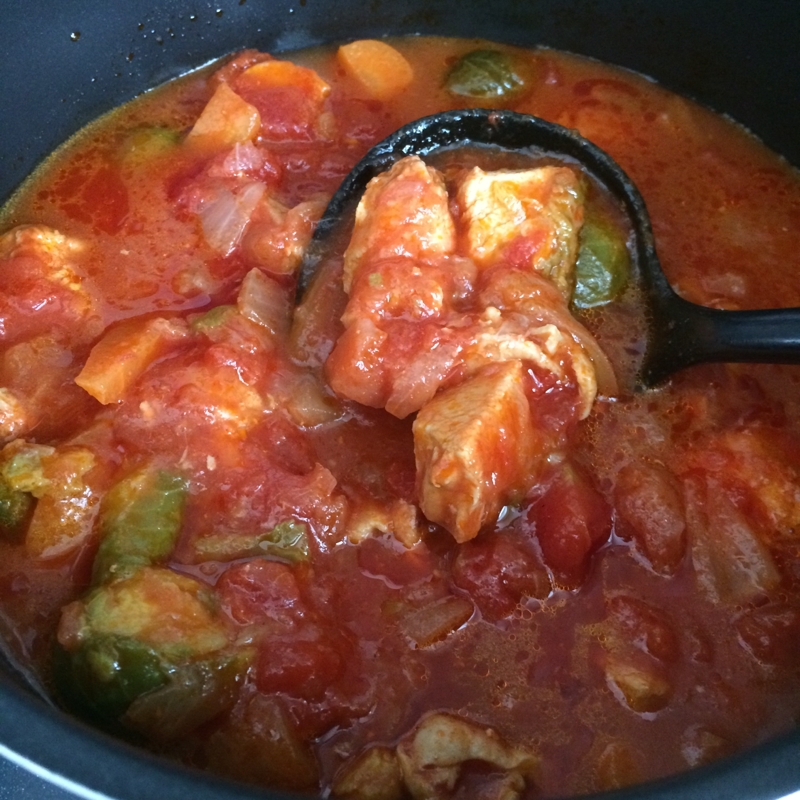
{"x":214,"y":318}
{"x":140,"y":521}
{"x":601,"y":272}
{"x":143,"y":145}
{"x":486,"y":74}
{"x":171,"y":613}
{"x":23,"y":470}
{"x":107,"y":674}
{"x":194,"y":694}
{"x":15,"y":508}
{"x":287,"y":540}
{"x":135,"y":636}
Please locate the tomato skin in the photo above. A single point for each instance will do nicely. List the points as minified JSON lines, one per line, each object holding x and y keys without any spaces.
{"x":572,"y":519}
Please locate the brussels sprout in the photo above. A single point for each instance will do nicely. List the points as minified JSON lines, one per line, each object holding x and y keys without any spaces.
{"x":193,"y":694}
{"x":22,"y":467}
{"x":151,"y":631}
{"x":139,"y":521}
{"x":287,"y":540}
{"x":15,"y":507}
{"x":601,"y":272}
{"x":104,"y":676}
{"x":487,"y":74}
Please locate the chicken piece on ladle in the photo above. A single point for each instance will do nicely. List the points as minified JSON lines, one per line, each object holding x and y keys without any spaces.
{"x":467,"y":323}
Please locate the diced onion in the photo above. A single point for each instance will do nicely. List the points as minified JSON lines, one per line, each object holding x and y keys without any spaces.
{"x":732,"y":565}
{"x":226,"y":215}
{"x":244,"y":159}
{"x":432,"y":623}
{"x":265,"y":302}
{"x":308,"y":403}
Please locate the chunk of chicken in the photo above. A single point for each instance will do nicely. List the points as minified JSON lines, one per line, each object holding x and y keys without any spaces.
{"x":39,"y":282}
{"x":374,"y":775}
{"x":545,"y":346}
{"x":451,"y":335}
{"x":432,"y":755}
{"x":401,"y":289}
{"x":404,"y":212}
{"x":474,"y":445}
{"x":45,"y":244}
{"x":400,"y":518}
{"x":526,"y":217}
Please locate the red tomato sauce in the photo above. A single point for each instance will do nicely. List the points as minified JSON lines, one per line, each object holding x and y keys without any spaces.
{"x":636,"y":614}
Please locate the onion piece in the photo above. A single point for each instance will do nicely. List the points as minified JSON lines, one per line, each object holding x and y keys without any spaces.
{"x":562,"y":318}
{"x":225,"y":216}
{"x":732,"y":564}
{"x":244,"y":158}
{"x":265,"y":302}
{"x":308,"y":402}
{"x":432,"y":623}
{"x":540,"y":302}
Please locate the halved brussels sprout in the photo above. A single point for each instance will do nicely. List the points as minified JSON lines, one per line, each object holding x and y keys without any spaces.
{"x":139,"y":522}
{"x":601,"y":272}
{"x":155,"y":631}
{"x":488,"y":74}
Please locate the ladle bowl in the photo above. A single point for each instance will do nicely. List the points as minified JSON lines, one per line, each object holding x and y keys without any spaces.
{"x":679,"y":333}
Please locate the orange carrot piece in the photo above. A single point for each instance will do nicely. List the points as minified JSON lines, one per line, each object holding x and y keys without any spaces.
{"x":122,"y":355}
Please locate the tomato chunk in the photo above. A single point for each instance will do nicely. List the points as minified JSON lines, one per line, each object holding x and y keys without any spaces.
{"x":651,"y":508}
{"x":261,"y":590}
{"x":498,"y":572}
{"x":299,"y":667}
{"x":572,"y":520}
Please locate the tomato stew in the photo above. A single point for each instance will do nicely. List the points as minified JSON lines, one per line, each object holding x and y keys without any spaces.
{"x":417,"y":537}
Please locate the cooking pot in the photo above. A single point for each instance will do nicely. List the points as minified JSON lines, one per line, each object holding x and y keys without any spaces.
{"x":63,"y":64}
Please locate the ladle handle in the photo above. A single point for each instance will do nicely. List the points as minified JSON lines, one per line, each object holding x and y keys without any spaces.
{"x":685,"y":333}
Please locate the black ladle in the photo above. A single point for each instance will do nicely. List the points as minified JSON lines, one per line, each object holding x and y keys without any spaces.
{"x":680,"y":333}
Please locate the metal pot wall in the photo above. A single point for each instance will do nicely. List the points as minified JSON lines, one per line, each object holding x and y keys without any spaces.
{"x":65,"y":63}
